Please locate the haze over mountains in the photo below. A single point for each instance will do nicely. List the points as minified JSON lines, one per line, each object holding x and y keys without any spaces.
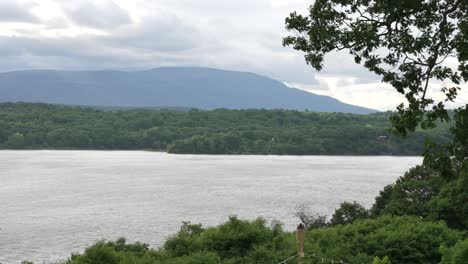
{"x":202,"y":88}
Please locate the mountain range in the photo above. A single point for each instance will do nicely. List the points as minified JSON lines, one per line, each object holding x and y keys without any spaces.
{"x":203,"y":88}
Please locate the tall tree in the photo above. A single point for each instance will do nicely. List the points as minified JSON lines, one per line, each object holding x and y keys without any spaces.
{"x":405,"y":42}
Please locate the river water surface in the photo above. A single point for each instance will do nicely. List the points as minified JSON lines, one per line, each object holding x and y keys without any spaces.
{"x":53,"y":203}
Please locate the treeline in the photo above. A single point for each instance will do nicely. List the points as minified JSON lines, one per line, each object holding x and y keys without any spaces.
{"x":221,"y":131}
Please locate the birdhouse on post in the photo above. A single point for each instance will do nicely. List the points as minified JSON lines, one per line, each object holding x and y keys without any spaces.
{"x":300,"y":236}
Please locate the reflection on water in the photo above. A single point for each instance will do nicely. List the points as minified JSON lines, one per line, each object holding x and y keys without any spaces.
{"x":53,"y":203}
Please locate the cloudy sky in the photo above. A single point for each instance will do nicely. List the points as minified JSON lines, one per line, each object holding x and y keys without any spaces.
{"x":244,"y":35}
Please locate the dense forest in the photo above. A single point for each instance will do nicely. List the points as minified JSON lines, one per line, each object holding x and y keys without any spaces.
{"x":221,"y":131}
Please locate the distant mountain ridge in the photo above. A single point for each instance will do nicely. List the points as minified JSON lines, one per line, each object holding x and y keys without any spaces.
{"x":203,"y":88}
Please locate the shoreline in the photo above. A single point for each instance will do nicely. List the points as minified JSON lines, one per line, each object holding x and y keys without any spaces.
{"x":223,"y":154}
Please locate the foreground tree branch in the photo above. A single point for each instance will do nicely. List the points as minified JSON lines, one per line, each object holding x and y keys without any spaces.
{"x":405,"y":42}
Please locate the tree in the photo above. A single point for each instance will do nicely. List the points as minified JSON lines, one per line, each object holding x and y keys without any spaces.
{"x":404,"y":42}
{"x":99,"y":253}
{"x":451,"y":205}
{"x":447,"y":159}
{"x":407,"y":44}
{"x":309,"y":218}
{"x":410,"y":194}
{"x":403,"y":239}
{"x":457,"y":254}
{"x":235,"y":241}
{"x":348,"y":213}
{"x":15,"y":141}
{"x":384,"y":260}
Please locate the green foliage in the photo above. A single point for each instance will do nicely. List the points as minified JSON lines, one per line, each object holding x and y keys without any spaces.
{"x":206,"y":132}
{"x":384,"y":260}
{"x":195,"y":258}
{"x":119,"y":251}
{"x":459,"y":148}
{"x":438,"y":190}
{"x":451,"y":205}
{"x":387,"y":239}
{"x":403,"y":42}
{"x":348,"y":213}
{"x":457,"y":254}
{"x":410,"y":194}
{"x":422,"y":192}
{"x":404,"y":239}
{"x":234,"y":241}
{"x":15,"y":141}
{"x":345,"y":214}
{"x":448,"y":158}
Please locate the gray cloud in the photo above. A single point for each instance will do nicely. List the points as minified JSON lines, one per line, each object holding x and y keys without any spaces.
{"x":153,"y":42}
{"x":16,"y":12}
{"x":75,"y":54}
{"x":343,"y":64}
{"x":228,"y":38}
{"x":344,"y":82}
{"x":243,"y":35}
{"x":94,"y":14}
{"x":218,"y":8}
{"x":167,"y":33}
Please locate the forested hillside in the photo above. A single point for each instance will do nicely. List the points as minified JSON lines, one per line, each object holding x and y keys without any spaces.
{"x":221,"y":131}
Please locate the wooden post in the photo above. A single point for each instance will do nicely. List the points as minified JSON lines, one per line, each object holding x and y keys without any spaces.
{"x":300,"y":236}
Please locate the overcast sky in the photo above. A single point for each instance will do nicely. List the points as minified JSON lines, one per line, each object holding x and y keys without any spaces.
{"x":243,"y":35}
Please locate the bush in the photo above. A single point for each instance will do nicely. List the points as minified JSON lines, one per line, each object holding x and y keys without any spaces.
{"x":235,"y":239}
{"x":389,"y":238}
{"x":457,"y":254}
{"x":403,"y":239}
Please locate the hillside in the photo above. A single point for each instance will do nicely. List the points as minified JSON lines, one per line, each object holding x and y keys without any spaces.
{"x":222,"y":131}
{"x":202,"y":88}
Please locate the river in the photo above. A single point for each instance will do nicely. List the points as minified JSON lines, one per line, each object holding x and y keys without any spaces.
{"x":53,"y":203}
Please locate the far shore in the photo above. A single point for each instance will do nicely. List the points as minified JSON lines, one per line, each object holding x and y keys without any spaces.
{"x":226,"y":154}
